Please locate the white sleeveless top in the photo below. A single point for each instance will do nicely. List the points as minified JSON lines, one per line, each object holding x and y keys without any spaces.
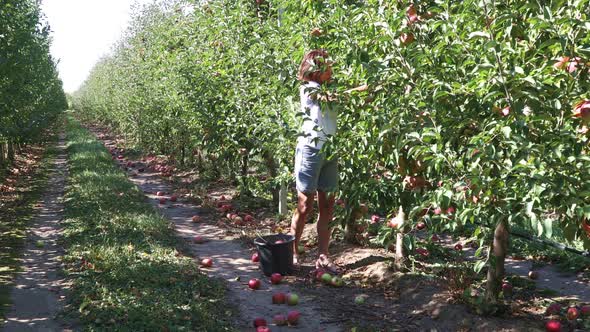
{"x":317,"y":124}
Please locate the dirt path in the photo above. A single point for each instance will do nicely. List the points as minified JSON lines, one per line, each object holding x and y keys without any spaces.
{"x":36,"y":297}
{"x":232,"y":264}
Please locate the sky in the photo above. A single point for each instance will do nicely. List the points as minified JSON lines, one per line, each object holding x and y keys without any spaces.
{"x":82,"y":32}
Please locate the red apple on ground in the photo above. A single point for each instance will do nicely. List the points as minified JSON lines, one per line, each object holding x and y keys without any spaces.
{"x":573,"y":313}
{"x":553,"y":326}
{"x":162,"y":201}
{"x":222,"y":198}
{"x":254,"y":284}
{"x":292,"y":299}
{"x":255,"y":258}
{"x":238,"y":220}
{"x":160,"y":193}
{"x":196,"y":219}
{"x":553,"y":309}
{"x":259,"y":322}
{"x":280,"y":320}
{"x":279,"y":298}
{"x":248,"y":218}
{"x":198,"y":239}
{"x":276,"y":278}
{"x":533,"y":275}
{"x":375,"y":219}
{"x":585,"y":311}
{"x":173,"y":198}
{"x":206,"y":262}
{"x":263,"y":329}
{"x":458,"y":247}
{"x":293,"y":317}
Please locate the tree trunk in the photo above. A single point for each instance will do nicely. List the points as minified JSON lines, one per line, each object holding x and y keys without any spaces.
{"x":244,"y":175}
{"x":10,"y":151}
{"x":350,"y":227}
{"x":498,"y":255}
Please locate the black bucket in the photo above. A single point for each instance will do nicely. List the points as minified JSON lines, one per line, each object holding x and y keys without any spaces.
{"x":275,"y":257}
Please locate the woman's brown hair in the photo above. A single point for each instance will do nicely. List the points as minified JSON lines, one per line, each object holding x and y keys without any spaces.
{"x":312,"y":61}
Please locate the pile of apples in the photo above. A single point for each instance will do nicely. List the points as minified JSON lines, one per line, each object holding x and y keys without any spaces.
{"x":291,"y":299}
{"x":573,"y":314}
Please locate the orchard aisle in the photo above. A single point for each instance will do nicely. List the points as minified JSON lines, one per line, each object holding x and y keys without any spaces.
{"x":232,"y":263}
{"x":36,"y":297}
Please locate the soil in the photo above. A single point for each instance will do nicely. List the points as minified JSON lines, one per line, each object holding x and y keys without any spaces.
{"x":394,"y":302}
{"x":39,"y":291}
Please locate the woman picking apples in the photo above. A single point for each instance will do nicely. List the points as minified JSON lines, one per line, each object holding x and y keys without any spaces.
{"x":316,"y":170}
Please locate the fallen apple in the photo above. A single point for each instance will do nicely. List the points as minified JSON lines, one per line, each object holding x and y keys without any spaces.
{"x":255,"y":258}
{"x":276,"y":278}
{"x":533,"y":275}
{"x":259,"y":322}
{"x":326,"y":278}
{"x":254,"y":284}
{"x":196,"y":219}
{"x":293,"y":317}
{"x":572,"y":313}
{"x":458,"y":247}
{"x":263,"y":329}
{"x":553,"y":326}
{"x":248,"y":218}
{"x":279,"y":298}
{"x":173,"y":198}
{"x":360,"y":299}
{"x":375,"y":219}
{"x":553,"y":309}
{"x":160,"y":193}
{"x":162,"y":201}
{"x":206,"y":262}
{"x":198,"y":239}
{"x":434,"y":238}
{"x":292,"y":299}
{"x":337,"y":281}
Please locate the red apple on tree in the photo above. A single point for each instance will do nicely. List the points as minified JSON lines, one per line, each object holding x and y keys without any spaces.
{"x":420,"y":226}
{"x":375,"y":219}
{"x":406,"y":38}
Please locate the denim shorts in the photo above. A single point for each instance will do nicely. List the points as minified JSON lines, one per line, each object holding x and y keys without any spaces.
{"x":313,"y":172}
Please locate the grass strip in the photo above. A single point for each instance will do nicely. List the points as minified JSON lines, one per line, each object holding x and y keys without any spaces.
{"x":15,"y":217}
{"x":122,"y":255}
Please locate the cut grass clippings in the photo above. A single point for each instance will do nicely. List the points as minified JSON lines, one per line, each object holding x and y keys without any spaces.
{"x":122,"y":255}
{"x":17,"y":209}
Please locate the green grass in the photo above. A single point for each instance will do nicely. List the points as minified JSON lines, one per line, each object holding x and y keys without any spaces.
{"x":123,"y":257}
{"x":14,"y":220}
